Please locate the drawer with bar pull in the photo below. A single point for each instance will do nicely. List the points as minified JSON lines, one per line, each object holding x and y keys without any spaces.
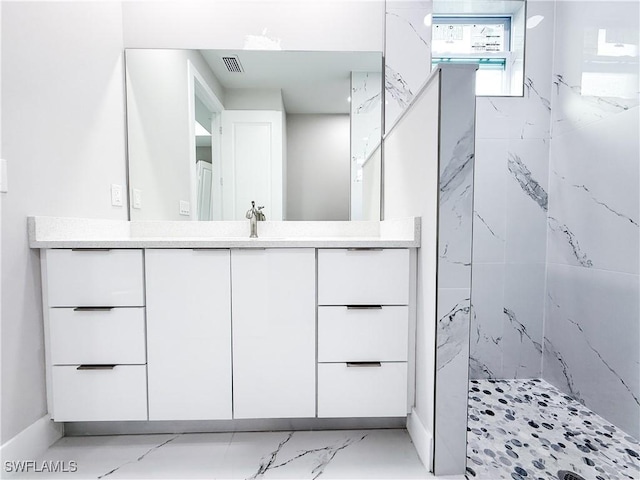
{"x":94,"y":277}
{"x":363,"y":277}
{"x":363,"y":333}
{"x":97,"y":335}
{"x":362,"y":389}
{"x":100,"y":392}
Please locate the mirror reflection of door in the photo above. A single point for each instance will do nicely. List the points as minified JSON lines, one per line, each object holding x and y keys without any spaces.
{"x":204,"y":159}
{"x":206,"y":165}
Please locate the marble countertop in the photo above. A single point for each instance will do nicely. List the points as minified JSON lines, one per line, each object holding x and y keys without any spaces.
{"x":62,"y":232}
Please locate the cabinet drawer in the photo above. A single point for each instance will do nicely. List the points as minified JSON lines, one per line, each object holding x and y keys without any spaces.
{"x":357,"y":334}
{"x":363,"y":277}
{"x":362,"y":391}
{"x":97,"y":336}
{"x":99,"y":395}
{"x":77,"y":278}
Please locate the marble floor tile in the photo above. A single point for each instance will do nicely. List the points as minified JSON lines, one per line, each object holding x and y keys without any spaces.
{"x":529,"y":430}
{"x":329,"y":454}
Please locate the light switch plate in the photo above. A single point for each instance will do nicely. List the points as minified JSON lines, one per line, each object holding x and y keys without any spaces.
{"x":4,"y":185}
{"x":137,"y":198}
{"x":184,"y":208}
{"x":116,"y":195}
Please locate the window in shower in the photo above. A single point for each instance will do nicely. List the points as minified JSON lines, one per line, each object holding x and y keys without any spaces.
{"x":489,"y":42}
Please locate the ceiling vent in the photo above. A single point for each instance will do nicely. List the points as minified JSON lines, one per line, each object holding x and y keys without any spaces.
{"x":233,"y":64}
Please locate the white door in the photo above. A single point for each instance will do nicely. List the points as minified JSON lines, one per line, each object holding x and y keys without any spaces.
{"x":252,"y":162}
{"x":274,"y":333}
{"x":188,"y":334}
{"x":204,"y":190}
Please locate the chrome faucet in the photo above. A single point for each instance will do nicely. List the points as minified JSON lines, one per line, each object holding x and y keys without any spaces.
{"x":255,"y":215}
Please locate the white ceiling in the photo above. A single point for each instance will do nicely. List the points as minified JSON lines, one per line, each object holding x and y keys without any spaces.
{"x":311,"y":82}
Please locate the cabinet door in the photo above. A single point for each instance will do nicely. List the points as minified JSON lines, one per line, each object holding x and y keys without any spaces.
{"x":188,"y":334}
{"x":274,"y":347}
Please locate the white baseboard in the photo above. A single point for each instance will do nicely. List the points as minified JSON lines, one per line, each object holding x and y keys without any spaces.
{"x":422,"y":439}
{"x":32,"y":442}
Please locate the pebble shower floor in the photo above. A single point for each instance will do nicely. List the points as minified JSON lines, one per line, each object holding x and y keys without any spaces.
{"x":529,"y":430}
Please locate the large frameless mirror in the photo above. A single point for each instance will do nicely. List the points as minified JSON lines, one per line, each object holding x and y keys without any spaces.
{"x":211,"y":130}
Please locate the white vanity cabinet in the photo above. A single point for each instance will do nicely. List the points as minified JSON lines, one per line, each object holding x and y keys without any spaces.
{"x":274,"y":332}
{"x":363,"y":322}
{"x":226,"y":333}
{"x":95,"y":334}
{"x":189,"y":334}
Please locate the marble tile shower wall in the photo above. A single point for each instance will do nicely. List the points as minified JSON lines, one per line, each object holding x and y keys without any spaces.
{"x":407,"y":54}
{"x":592,"y":323}
{"x":510,"y":217}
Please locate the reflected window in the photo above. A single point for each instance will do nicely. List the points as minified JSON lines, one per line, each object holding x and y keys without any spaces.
{"x":610,"y":63}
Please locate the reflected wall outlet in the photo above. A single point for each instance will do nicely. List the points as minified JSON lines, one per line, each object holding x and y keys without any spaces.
{"x":116,"y":195}
{"x":137,"y":198}
{"x":184,"y":208}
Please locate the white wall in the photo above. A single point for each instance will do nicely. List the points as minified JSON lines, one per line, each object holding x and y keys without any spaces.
{"x":341,"y":25}
{"x":253,"y":99}
{"x":318,"y":167}
{"x":411,"y":189}
{"x":63,"y":135}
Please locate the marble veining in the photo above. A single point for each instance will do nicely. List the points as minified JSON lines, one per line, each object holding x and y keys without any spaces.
{"x":550,"y":349}
{"x":530,"y":87}
{"x":408,"y":23}
{"x":397,"y":87}
{"x":327,"y":454}
{"x":526,"y":181}
{"x":560,"y":82}
{"x":452,"y":332}
{"x":602,"y":359}
{"x":484,"y":222}
{"x":323,"y":455}
{"x":528,"y":429}
{"x":365,"y":93}
{"x":141,"y":457}
{"x":562,"y":229}
{"x":591,"y":347}
{"x":459,"y":167}
{"x":534,"y":190}
{"x":521,"y":329}
{"x":583,"y":188}
{"x":407,"y":54}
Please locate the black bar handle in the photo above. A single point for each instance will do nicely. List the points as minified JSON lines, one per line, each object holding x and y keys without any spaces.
{"x":90,"y":249}
{"x":91,"y":366}
{"x":364,"y":364}
{"x":92,"y":309}
{"x":364,"y":307}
